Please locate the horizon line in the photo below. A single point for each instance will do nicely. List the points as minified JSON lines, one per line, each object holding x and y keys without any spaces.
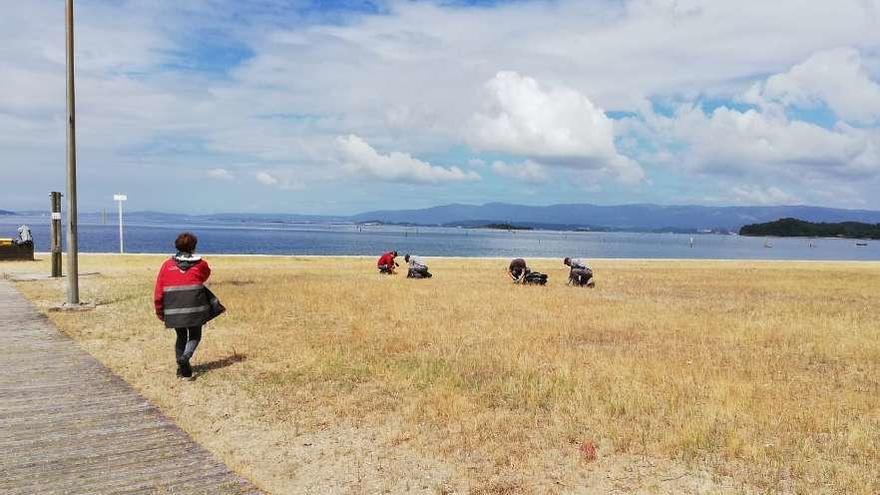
{"x":348,"y":215}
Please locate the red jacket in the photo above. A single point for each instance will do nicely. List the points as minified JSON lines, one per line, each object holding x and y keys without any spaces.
{"x":386,"y":259}
{"x":170,"y":275}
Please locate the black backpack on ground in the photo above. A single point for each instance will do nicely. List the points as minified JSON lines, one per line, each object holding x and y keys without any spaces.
{"x":535,"y":278}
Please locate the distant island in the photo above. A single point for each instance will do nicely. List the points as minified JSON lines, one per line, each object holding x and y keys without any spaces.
{"x":6,"y":212}
{"x":793,"y":227}
{"x":505,"y":226}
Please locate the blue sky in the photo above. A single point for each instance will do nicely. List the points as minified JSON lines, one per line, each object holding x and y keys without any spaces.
{"x":344,"y":106}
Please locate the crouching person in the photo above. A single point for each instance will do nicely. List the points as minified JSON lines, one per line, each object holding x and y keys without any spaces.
{"x":183,"y":302}
{"x":387,"y":263}
{"x":417,"y":267}
{"x":520,"y":273}
{"x":581,"y":274}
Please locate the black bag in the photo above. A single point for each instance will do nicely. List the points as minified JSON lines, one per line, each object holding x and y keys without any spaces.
{"x":217,"y":308}
{"x":536,"y":278}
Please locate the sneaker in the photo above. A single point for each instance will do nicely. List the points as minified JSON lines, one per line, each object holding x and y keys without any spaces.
{"x":179,"y":371}
{"x":186,"y":370}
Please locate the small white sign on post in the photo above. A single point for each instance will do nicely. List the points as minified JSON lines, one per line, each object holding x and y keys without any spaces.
{"x":120,"y":198}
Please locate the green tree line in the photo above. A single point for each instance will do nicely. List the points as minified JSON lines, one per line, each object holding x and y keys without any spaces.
{"x":793,"y":227}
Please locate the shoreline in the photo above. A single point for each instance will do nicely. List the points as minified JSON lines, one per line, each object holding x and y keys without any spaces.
{"x":321,"y":227}
{"x":499,"y":258}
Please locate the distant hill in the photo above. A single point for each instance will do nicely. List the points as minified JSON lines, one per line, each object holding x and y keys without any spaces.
{"x":793,"y":227}
{"x":6,"y":212}
{"x":587,"y":217}
{"x":637,"y":217}
{"x":155,"y":217}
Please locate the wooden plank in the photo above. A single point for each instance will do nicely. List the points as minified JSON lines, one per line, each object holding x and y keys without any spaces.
{"x":68,"y":425}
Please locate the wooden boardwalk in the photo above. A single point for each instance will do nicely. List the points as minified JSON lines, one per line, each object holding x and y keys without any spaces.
{"x":69,"y":426}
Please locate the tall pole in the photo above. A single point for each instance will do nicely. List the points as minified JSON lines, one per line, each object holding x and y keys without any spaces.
{"x":72,"y":248}
{"x":56,"y":233}
{"x":121,"y":250}
{"x":120,"y":198}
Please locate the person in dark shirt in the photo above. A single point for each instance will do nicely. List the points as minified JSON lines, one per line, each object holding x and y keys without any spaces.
{"x":580,"y":274}
{"x":520,"y":273}
{"x":517,"y":270}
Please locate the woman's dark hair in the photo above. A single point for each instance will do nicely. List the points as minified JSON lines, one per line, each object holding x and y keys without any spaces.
{"x":186,"y":242}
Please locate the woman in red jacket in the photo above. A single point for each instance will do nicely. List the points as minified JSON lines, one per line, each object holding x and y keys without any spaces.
{"x":181,"y":299}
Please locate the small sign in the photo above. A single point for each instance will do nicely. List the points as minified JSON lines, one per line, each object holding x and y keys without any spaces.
{"x":120,"y":197}
{"x":56,"y":215}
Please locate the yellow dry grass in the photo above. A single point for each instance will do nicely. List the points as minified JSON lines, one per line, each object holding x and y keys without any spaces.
{"x":687,"y":376}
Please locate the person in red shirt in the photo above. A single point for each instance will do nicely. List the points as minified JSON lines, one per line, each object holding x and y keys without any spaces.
{"x":182,"y":301}
{"x":386,"y":263}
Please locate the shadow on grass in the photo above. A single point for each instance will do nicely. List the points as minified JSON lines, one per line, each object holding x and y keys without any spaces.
{"x":219,"y":363}
{"x":121,"y":299}
{"x":233,"y":283}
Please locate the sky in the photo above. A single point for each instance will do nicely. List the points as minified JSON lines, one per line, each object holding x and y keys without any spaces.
{"x":343,"y":106}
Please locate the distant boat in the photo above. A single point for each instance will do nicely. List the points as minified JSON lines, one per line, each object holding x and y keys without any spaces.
{"x":768,"y":244}
{"x":861,"y":243}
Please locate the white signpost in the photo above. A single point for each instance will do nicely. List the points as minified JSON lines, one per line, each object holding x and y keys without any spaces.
{"x":120,"y":198}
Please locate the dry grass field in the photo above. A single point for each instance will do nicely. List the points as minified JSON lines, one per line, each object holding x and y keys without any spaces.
{"x":685,"y":377}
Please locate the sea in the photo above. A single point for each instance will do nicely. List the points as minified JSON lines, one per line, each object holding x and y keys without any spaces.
{"x":372,"y":240}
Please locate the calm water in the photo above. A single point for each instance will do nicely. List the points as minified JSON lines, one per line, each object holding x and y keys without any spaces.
{"x":433,"y":241}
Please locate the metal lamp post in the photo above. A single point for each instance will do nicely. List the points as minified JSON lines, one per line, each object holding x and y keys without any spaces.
{"x":120,"y":198}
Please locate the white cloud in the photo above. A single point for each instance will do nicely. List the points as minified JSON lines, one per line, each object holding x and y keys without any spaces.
{"x":283,"y":179}
{"x":729,"y":141}
{"x":557,"y":126}
{"x":359,"y":158}
{"x":527,"y":171}
{"x":420,"y":70}
{"x":752,"y":195}
{"x":221,"y":174}
{"x":267,"y":179}
{"x":766,"y":142}
{"x":833,"y":77}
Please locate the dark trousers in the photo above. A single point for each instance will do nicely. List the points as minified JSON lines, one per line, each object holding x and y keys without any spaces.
{"x":419,"y":273}
{"x":187,"y":341}
{"x":580,"y":276}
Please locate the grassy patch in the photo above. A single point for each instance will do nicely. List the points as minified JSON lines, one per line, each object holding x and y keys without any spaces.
{"x":765,"y":374}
